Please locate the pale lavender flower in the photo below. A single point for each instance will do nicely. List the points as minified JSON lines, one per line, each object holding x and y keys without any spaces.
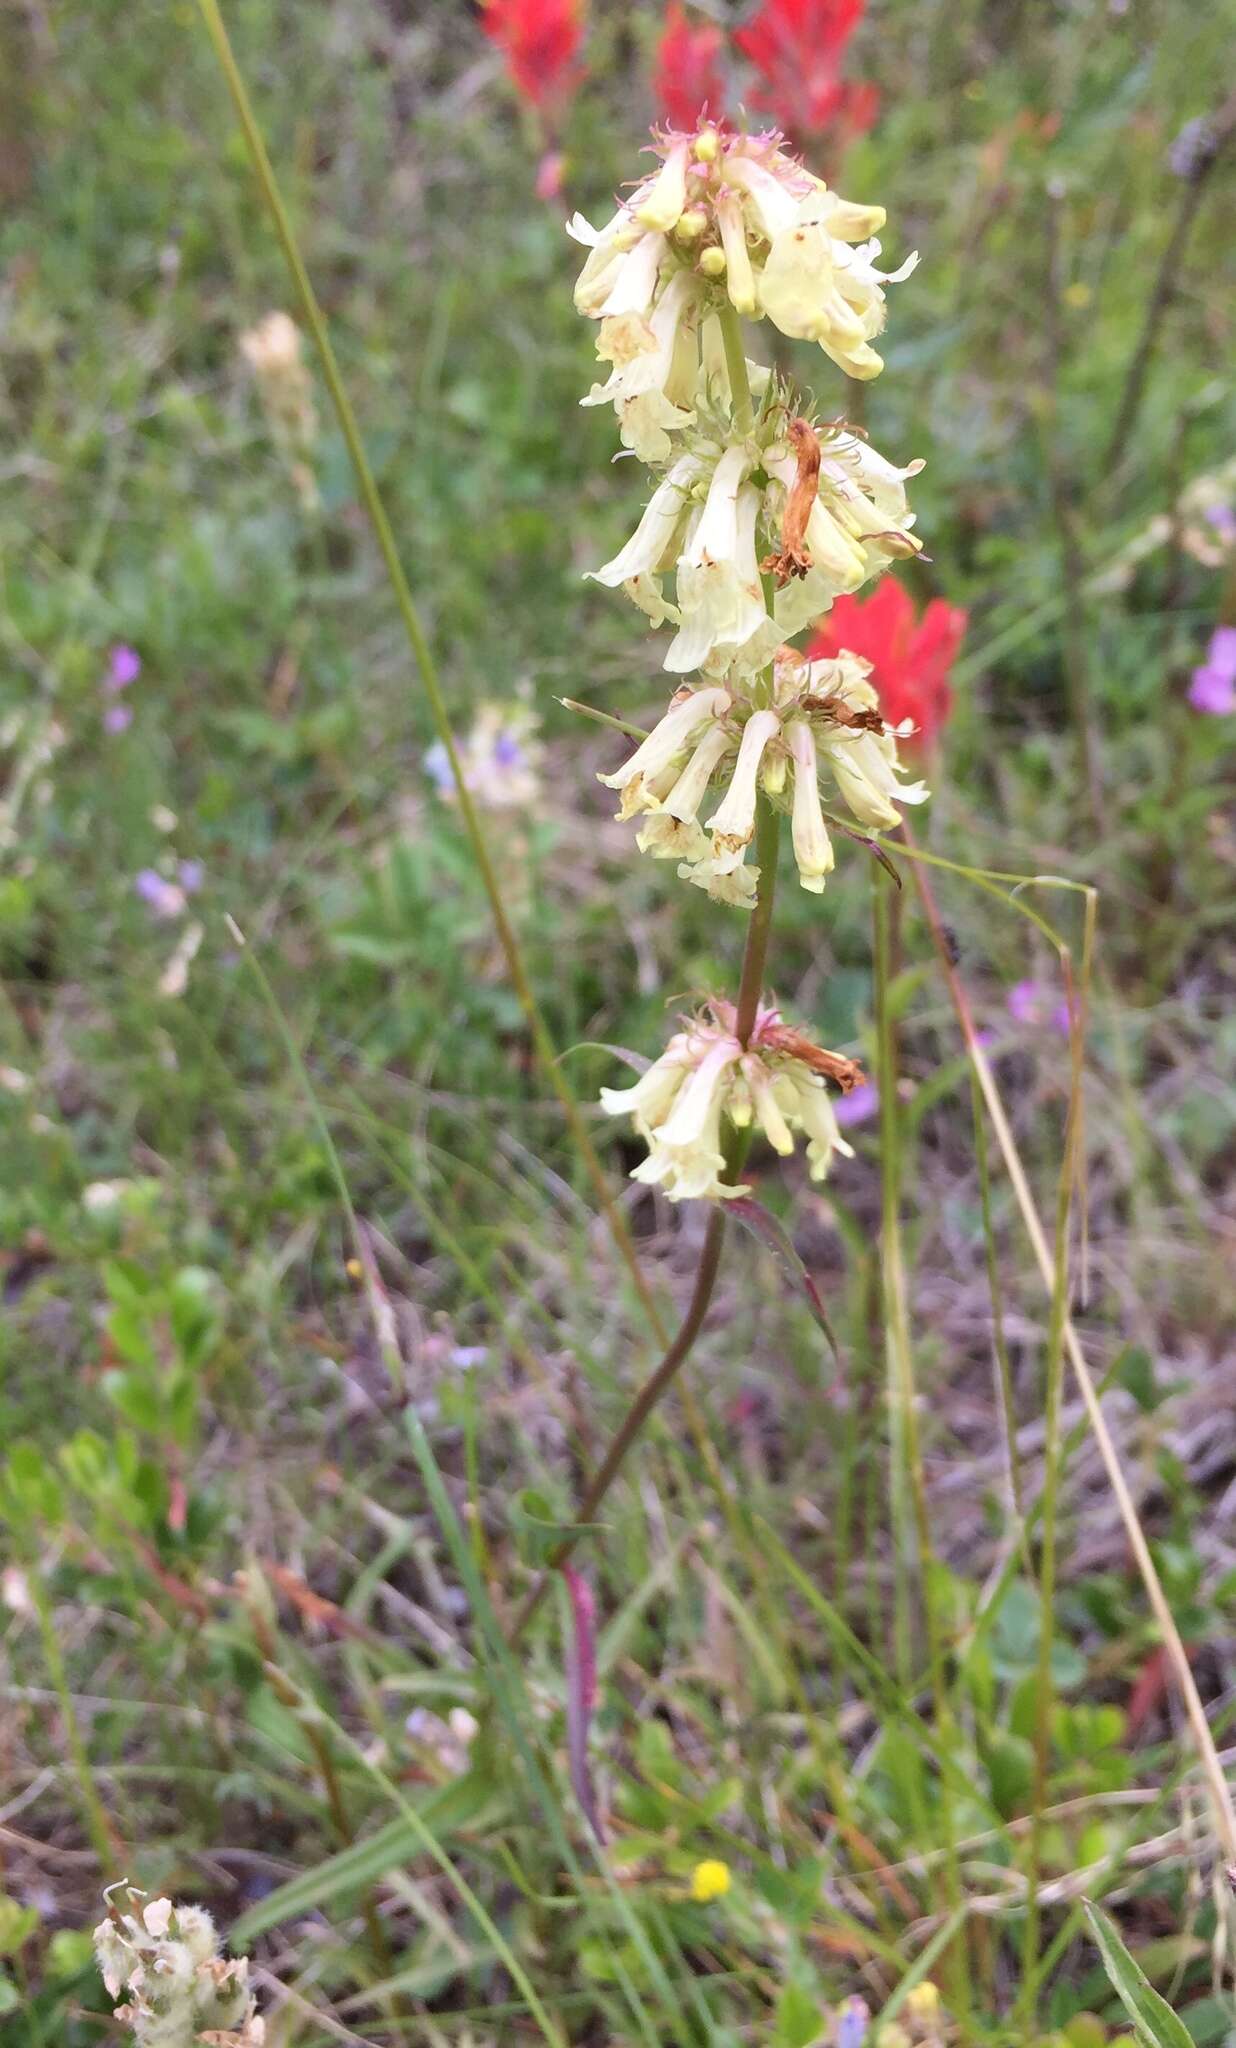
{"x":1190,"y":149}
{"x":1213,"y":688}
{"x":852,"y":2022}
{"x":166,"y":899}
{"x":1031,"y":1002}
{"x":124,"y":667}
{"x":861,"y":1104}
{"x":499,"y":756}
{"x":1212,"y":692}
{"x":1024,"y":1002}
{"x":1223,"y":519}
{"x":438,"y":768}
{"x":192,"y":874}
{"x":117,"y":718}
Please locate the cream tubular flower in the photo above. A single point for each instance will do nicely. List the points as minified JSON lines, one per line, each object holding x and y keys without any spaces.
{"x":635,"y":279}
{"x":739,"y":279}
{"x":723,"y":882}
{"x":652,"y":384}
{"x":720,"y":597}
{"x":813,"y":1111}
{"x":653,"y":1095}
{"x":665,"y":837}
{"x":676,"y":1107}
{"x":653,"y":546}
{"x":815,"y":287}
{"x":865,"y":766}
{"x":860,"y":521}
{"x":852,"y":739}
{"x":660,"y":203}
{"x":685,"y":798}
{"x":667,"y":741}
{"x":813,"y":849}
{"x":769,"y":200}
{"x":765,"y":1106}
{"x":608,"y":249}
{"x":733,"y":823}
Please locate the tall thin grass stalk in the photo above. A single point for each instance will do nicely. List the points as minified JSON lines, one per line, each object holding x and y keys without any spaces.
{"x":1221,"y":128}
{"x":995,"y":1289}
{"x":1044,"y":1698}
{"x":418,"y":641}
{"x":908,"y":1484}
{"x":501,"y":1672}
{"x":755,"y":957}
{"x":1219,"y":1791}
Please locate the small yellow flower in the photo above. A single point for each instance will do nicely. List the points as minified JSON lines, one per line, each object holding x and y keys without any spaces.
{"x":710,"y":1880}
{"x":923,"y":2001}
{"x":1078,"y":294}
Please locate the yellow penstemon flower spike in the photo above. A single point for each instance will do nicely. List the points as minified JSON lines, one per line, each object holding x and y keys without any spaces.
{"x":760,"y":516}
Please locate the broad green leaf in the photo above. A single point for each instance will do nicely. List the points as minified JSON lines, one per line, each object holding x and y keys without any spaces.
{"x":1157,"y":2026}
{"x":799,"y":2020}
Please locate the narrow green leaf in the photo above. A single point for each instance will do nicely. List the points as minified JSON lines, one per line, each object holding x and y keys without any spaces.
{"x":464,"y":1803}
{"x":1155,"y":2024}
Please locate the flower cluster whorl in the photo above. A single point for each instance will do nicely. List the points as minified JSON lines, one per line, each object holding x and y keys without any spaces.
{"x":706,"y":1075}
{"x":817,"y":715}
{"x":179,"y":1989}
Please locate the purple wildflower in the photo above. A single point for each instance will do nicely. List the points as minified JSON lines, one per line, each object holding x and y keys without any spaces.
{"x":165,"y":898}
{"x":1223,"y":519}
{"x":192,"y":874}
{"x":117,"y":718}
{"x":1213,"y":688}
{"x":1030,"y":1002}
{"x":438,"y":768}
{"x":852,"y":2019}
{"x":860,"y":1104}
{"x":124,"y":667}
{"x":1025,"y":1002}
{"x":507,"y":751}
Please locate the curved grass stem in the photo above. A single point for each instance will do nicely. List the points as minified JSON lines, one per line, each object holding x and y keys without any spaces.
{"x":1223,"y":1813}
{"x":375,"y":509}
{"x":755,"y":956}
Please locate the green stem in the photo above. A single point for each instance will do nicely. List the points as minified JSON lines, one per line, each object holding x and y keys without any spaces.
{"x":1044,"y":1692}
{"x":905,"y":1451}
{"x":736,"y":365}
{"x":422,"y":653}
{"x":751,"y":982}
{"x":759,"y":931}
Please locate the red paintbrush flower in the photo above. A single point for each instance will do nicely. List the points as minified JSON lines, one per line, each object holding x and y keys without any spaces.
{"x":540,"y":40}
{"x":688,"y":81}
{"x":910,"y":657}
{"x":797,"y":47}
